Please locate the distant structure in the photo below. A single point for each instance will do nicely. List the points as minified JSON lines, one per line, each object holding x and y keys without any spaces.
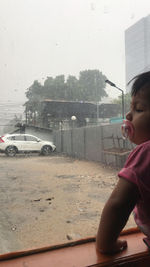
{"x":137,"y":48}
{"x":58,"y":113}
{"x":10,"y":111}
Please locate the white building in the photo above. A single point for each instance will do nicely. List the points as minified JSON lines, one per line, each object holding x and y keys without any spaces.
{"x":137,"y":48}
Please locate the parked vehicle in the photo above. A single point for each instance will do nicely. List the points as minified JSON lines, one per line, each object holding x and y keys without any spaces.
{"x":11,"y":144}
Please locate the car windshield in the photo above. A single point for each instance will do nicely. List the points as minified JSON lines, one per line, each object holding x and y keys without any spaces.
{"x":65,"y":66}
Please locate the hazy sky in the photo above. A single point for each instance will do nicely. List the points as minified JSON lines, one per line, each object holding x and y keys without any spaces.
{"x":40,"y":38}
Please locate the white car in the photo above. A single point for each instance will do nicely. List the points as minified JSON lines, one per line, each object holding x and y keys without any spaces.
{"x":11,"y":144}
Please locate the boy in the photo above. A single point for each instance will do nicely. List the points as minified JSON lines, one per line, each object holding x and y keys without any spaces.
{"x":133,"y":188}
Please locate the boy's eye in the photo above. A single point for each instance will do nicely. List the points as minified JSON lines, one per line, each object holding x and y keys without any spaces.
{"x":139,"y":110}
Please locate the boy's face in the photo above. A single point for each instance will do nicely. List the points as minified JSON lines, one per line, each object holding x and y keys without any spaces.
{"x":139,"y":116}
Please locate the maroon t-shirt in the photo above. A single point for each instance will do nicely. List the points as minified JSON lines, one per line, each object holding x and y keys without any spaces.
{"x":137,"y":171}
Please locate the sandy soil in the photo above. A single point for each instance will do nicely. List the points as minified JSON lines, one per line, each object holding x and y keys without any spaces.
{"x":50,"y":200}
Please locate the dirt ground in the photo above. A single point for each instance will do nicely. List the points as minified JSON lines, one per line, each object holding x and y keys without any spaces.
{"x":50,"y":200}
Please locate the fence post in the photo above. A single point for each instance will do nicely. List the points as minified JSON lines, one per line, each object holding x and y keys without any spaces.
{"x":72,"y":142}
{"x":84,"y":141}
{"x":61,"y":138}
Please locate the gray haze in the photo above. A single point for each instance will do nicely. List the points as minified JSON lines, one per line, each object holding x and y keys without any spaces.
{"x":41,"y":38}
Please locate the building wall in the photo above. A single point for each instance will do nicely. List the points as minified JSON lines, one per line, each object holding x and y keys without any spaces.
{"x":66,"y":143}
{"x":93,"y":143}
{"x":137,"y":48}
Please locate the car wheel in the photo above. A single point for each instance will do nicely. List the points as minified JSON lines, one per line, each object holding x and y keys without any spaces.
{"x":46,"y":150}
{"x":11,"y":151}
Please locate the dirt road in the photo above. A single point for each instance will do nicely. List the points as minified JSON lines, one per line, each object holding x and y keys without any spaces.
{"x":50,"y":200}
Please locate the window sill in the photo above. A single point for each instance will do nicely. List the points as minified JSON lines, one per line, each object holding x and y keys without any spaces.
{"x":82,"y":253}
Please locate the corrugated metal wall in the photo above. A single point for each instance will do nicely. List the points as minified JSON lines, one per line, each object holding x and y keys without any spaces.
{"x":90,"y":142}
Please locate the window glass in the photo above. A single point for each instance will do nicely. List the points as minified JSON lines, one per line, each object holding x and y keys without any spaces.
{"x":11,"y":138}
{"x":30,"y":138}
{"x":55,"y":59}
{"x":19,"y":138}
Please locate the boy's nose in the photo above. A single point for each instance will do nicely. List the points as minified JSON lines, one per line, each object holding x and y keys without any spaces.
{"x":129,"y":116}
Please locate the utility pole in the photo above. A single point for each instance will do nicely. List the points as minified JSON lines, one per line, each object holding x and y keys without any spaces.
{"x":96,"y":96}
{"x":112,"y":84}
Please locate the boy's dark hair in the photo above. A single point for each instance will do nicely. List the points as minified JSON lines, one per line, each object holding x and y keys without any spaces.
{"x":140,"y":81}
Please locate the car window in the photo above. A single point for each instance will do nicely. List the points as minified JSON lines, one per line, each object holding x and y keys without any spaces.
{"x":19,"y":138}
{"x":11,"y":138}
{"x":31,"y":138}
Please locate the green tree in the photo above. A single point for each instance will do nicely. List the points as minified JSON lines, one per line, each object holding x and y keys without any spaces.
{"x":72,"y":88}
{"x":60,"y":87}
{"x":92,"y":84}
{"x":34,"y":95}
{"x":35,"y":91}
{"x":49,"y":88}
{"x":55,"y":88}
{"x":89,"y":87}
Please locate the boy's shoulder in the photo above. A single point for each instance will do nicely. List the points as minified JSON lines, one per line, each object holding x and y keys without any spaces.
{"x":145,"y":145}
{"x":143,"y":148}
{"x":137,"y":163}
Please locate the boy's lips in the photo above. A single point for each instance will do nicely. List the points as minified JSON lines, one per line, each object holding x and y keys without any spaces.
{"x":127,"y":129}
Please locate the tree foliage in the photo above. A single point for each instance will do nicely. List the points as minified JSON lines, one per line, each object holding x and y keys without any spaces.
{"x":90,"y":86}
